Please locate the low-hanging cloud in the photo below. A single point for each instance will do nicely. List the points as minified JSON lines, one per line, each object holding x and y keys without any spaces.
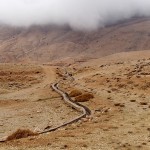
{"x":78,"y":14}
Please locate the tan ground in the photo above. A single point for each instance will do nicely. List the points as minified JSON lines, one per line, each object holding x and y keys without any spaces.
{"x":120,"y":108}
{"x":32,"y":107}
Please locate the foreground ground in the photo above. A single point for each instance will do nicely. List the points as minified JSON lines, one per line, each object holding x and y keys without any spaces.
{"x":120,"y":108}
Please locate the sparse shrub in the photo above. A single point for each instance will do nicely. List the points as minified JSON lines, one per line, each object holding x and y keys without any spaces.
{"x":143,"y":103}
{"x":119,"y":105}
{"x":130,"y":82}
{"x":121,"y":85}
{"x":75,"y":93}
{"x":132,"y":100}
{"x":114,"y":89}
{"x":84,"y":97}
{"x":146,"y":86}
{"x":20,"y":134}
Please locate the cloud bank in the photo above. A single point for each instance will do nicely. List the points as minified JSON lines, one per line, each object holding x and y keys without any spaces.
{"x":78,"y":14}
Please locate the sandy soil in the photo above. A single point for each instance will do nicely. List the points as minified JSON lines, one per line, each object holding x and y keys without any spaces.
{"x":120,"y":108}
{"x":34,"y":107}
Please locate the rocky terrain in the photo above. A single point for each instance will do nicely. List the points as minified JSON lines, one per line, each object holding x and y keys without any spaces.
{"x":107,"y":71}
{"x":120,"y":106}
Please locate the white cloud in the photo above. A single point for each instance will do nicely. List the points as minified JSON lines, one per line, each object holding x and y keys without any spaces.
{"x":79,"y":14}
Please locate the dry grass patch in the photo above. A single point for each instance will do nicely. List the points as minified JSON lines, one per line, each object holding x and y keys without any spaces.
{"x":75,"y":93}
{"x":84,"y":97}
{"x":16,"y":77}
{"x":21,"y":134}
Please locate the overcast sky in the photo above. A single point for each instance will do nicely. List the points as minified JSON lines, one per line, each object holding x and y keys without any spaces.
{"x":78,"y":14}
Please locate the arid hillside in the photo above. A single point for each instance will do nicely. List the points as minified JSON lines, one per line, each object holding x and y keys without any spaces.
{"x":115,"y":88}
{"x":105,"y":73}
{"x":45,"y":44}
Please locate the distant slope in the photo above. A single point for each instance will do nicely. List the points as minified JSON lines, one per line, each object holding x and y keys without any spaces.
{"x":45,"y":44}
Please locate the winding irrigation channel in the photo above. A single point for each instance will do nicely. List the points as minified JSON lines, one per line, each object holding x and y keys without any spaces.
{"x":78,"y":107}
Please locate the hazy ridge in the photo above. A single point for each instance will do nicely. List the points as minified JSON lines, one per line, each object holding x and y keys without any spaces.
{"x":48,"y":43}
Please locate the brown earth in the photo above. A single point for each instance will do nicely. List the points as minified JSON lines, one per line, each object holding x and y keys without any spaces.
{"x":14,"y":77}
{"x":120,"y":107}
{"x":34,"y":107}
{"x":119,"y":83}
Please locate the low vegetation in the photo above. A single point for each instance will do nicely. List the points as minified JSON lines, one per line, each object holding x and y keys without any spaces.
{"x":84,"y":97}
{"x":75,"y":93}
{"x":20,"y":134}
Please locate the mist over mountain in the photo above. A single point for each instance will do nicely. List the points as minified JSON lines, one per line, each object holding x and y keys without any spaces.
{"x":47,"y":30}
{"x":49,"y":43}
{"x":78,"y":14}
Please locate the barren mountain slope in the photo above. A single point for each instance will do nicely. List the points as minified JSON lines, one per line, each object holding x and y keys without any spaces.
{"x":44,"y":44}
{"x":120,"y":108}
